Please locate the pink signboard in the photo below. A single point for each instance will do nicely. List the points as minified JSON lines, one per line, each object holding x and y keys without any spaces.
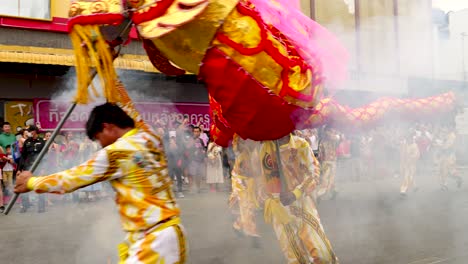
{"x":48,"y":113}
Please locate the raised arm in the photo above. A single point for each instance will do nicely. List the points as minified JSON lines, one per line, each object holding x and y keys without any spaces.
{"x":103,"y":166}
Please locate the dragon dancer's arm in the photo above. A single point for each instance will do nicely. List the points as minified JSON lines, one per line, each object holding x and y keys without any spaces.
{"x":103,"y":166}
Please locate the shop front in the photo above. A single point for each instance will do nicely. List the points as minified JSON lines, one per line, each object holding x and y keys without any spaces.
{"x":48,"y":113}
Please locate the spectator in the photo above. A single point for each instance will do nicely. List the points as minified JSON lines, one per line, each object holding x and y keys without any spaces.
{"x":160,"y":132}
{"x":214,"y":173}
{"x":24,"y":136}
{"x":184,"y":127}
{"x":343,"y":150}
{"x":314,"y":141}
{"x":52,"y":156}
{"x":343,"y":155}
{"x":2,"y":185}
{"x":69,"y":154}
{"x":31,"y":149}
{"x":69,"y":151}
{"x":7,"y":171}
{"x":6,"y":137}
{"x":174,"y":162}
{"x":196,"y":152}
{"x":204,"y":135}
{"x":51,"y":162}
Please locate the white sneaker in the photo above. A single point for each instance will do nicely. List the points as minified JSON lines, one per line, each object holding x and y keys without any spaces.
{"x":180,"y":195}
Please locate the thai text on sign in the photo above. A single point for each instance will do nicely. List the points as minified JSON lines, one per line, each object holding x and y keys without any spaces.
{"x":48,"y":113}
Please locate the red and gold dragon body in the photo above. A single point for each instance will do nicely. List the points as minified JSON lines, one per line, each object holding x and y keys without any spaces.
{"x":262,"y":83}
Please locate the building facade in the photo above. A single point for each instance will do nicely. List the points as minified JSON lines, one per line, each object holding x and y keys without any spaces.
{"x":36,"y":62}
{"x":394,"y":44}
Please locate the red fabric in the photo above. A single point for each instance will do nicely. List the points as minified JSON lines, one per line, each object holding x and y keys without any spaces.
{"x":251,"y":110}
{"x":2,"y":161}
{"x":267,"y":46}
{"x":423,"y":144}
{"x":96,"y":19}
{"x":154,"y":12}
{"x":343,"y":149}
{"x":220,"y":131}
{"x":239,"y":46}
{"x":70,"y":150}
{"x":57,"y":24}
{"x":221,"y":135}
{"x":160,"y":61}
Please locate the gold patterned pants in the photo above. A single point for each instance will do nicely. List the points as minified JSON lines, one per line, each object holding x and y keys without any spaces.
{"x":327,"y":178}
{"x":302,"y":239}
{"x":242,"y":197}
{"x":166,"y":245}
{"x":407,"y":171}
{"x":448,"y":168}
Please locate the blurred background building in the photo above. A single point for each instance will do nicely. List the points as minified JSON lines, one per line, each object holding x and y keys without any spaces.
{"x":406,"y":47}
{"x":36,"y":62}
{"x":397,"y":47}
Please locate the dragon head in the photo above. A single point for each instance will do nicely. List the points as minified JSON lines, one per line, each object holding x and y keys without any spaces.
{"x":97,"y":26}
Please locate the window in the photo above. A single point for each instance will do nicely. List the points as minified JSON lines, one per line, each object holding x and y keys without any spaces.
{"x":33,"y":9}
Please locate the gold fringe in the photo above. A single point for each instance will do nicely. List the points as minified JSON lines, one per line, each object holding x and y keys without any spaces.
{"x":91,"y":49}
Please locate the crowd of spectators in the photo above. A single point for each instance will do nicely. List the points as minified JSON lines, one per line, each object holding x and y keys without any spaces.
{"x":379,"y":153}
{"x":195,"y":163}
{"x":19,"y":151}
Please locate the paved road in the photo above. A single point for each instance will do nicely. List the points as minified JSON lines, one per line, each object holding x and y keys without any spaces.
{"x":368,"y":224}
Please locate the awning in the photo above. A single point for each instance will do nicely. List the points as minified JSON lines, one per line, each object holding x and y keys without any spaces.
{"x":65,"y":57}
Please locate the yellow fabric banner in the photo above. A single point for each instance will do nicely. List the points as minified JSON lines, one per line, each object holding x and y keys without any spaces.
{"x":19,"y":114}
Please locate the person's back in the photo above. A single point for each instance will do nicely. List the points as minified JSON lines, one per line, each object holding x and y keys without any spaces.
{"x":173,"y":153}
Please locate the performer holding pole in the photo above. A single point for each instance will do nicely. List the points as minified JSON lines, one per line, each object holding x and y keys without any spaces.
{"x":133,"y":160}
{"x":409,"y":155}
{"x":93,"y":73}
{"x":245,"y":176}
{"x":290,"y":208}
{"x":447,"y":158}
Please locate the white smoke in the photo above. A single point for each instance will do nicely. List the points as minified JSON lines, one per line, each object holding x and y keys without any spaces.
{"x":387,"y":52}
{"x":450,"y":5}
{"x":351,"y":6}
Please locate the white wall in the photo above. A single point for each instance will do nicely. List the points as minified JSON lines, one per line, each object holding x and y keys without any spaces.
{"x":449,"y":53}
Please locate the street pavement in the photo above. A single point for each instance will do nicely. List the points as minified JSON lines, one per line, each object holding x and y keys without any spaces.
{"x":368,"y":223}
